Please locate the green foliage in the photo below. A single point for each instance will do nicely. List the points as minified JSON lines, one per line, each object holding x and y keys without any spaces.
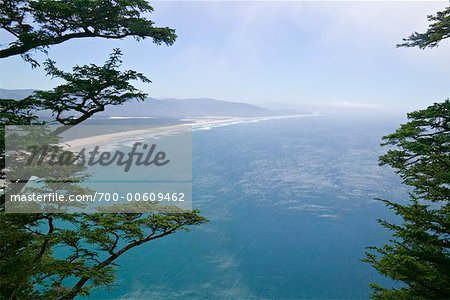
{"x":32,"y":264}
{"x":15,"y":113}
{"x":421,"y":154}
{"x":88,"y":90}
{"x":419,"y":254}
{"x":90,"y":242}
{"x":437,"y":31}
{"x":35,"y":25}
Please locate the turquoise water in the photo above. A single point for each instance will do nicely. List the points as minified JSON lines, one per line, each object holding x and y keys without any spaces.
{"x":291,"y":209}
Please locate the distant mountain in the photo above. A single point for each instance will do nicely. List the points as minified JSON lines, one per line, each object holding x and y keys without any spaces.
{"x":172,"y":108}
{"x":177,"y":108}
{"x":15,"y":94}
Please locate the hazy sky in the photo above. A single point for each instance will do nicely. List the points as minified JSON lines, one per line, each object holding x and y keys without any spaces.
{"x":326,"y":53}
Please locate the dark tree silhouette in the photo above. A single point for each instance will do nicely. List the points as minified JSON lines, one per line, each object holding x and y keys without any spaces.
{"x":29,"y":266}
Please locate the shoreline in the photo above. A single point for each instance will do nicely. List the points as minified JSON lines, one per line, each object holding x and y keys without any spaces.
{"x":195,"y":124}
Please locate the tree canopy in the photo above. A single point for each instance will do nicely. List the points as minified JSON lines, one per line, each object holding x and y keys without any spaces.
{"x":437,"y":31}
{"x":418,"y":256}
{"x":36,"y":25}
{"x":88,"y":90}
{"x":30,"y":265}
{"x":421,"y":157}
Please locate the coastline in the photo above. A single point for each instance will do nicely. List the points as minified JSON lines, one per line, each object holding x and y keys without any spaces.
{"x":193,"y":124}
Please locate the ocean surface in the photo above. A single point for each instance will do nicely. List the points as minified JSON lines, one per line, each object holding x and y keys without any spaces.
{"x":291,"y":209}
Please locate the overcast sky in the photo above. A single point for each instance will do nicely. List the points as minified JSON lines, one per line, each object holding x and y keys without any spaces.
{"x":326,"y":53}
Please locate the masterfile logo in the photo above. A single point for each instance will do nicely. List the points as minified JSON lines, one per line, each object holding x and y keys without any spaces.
{"x":98,"y":168}
{"x":139,"y":155}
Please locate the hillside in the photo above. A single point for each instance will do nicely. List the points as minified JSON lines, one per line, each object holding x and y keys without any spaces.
{"x":15,"y":94}
{"x":172,"y":108}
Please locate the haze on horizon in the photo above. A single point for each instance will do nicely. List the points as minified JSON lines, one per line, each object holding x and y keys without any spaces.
{"x":291,"y":54}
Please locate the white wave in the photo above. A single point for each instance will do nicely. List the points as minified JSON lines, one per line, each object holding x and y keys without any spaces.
{"x":308,"y":207}
{"x":238,"y":121}
{"x":125,"y":118}
{"x":201,"y":128}
{"x":330,"y":216}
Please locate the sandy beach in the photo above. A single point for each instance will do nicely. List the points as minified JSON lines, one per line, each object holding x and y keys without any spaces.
{"x":194,"y":123}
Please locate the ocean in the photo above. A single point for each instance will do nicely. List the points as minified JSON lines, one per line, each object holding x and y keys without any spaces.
{"x":291,"y":209}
